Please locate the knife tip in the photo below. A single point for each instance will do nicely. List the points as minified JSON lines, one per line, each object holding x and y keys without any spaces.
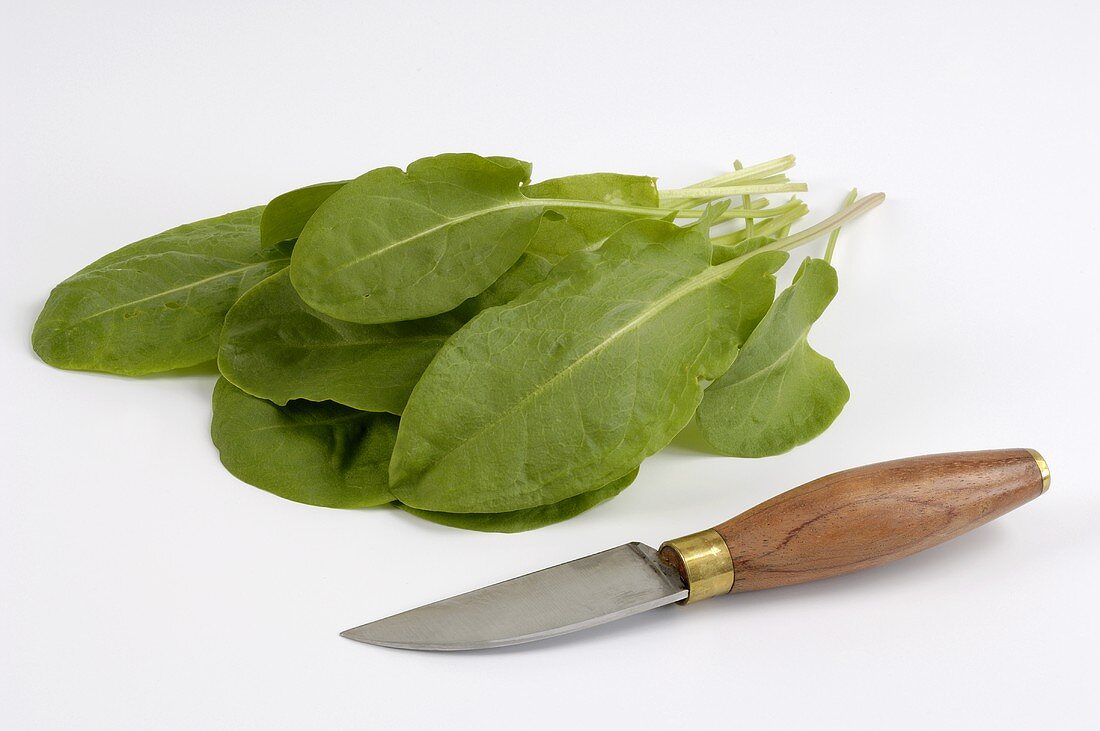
{"x":355,"y":634}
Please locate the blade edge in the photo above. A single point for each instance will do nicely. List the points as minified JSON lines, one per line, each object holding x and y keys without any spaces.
{"x":665,"y":580}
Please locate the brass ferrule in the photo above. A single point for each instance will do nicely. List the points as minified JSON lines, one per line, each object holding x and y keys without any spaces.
{"x":1044,"y":469}
{"x":704,"y":564}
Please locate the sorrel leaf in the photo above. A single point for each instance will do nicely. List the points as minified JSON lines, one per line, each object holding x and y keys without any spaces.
{"x":779,"y":393}
{"x":582,"y":377}
{"x":393,"y":245}
{"x":156,"y":304}
{"x":277,"y":347}
{"x":317,"y":453}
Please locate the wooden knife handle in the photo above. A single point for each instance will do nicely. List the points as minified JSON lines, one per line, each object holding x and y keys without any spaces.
{"x":861,"y":518}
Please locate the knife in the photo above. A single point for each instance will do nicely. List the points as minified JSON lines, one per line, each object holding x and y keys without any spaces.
{"x":843,"y":522}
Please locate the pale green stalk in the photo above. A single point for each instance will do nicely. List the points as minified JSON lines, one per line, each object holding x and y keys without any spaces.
{"x":762,"y":173}
{"x":752,"y":172}
{"x":728,"y":191}
{"x":769,"y":226}
{"x":746,"y":202}
{"x":830,"y":224}
{"x":728,"y":214}
{"x":848,"y":200}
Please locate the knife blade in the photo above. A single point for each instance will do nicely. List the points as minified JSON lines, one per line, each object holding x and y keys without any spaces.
{"x":836,"y":524}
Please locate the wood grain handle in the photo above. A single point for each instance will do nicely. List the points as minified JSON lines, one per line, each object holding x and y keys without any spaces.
{"x":864,"y":517}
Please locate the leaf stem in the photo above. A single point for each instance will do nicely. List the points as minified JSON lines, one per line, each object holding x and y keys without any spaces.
{"x":848,"y":200}
{"x":761,"y":173}
{"x":718,"y":271}
{"x":727,"y":191}
{"x":769,"y":167}
{"x":768,"y":227}
{"x":766,"y":179}
{"x":746,"y":202}
{"x":648,"y":212}
{"x":821,"y":228}
{"x":784,"y":222}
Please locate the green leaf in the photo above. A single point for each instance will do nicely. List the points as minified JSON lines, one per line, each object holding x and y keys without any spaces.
{"x":563,"y":234}
{"x":286,"y":215}
{"x":531,"y":518}
{"x":157,"y":304}
{"x":276,"y":347}
{"x":779,"y":393}
{"x":580,"y":378}
{"x":393,"y":245}
{"x":320,"y":454}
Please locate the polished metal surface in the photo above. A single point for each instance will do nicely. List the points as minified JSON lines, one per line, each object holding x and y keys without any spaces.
{"x":1044,"y":468}
{"x":704,"y":561}
{"x":583,"y":593}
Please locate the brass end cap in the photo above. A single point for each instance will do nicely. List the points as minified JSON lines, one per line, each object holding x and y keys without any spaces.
{"x":704,"y":563}
{"x":1044,"y":468}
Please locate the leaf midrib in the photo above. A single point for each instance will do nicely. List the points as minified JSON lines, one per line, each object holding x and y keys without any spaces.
{"x":524,"y":203}
{"x":783,"y":357}
{"x":448,"y":221}
{"x":181,"y":288}
{"x":705,"y":277}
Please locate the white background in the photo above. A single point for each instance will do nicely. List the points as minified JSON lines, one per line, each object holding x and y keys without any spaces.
{"x":141,"y":586}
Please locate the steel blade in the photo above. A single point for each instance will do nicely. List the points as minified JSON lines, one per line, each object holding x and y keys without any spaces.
{"x":583,"y":593}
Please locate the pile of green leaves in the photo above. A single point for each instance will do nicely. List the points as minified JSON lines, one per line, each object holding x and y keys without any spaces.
{"x":476,"y":349}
